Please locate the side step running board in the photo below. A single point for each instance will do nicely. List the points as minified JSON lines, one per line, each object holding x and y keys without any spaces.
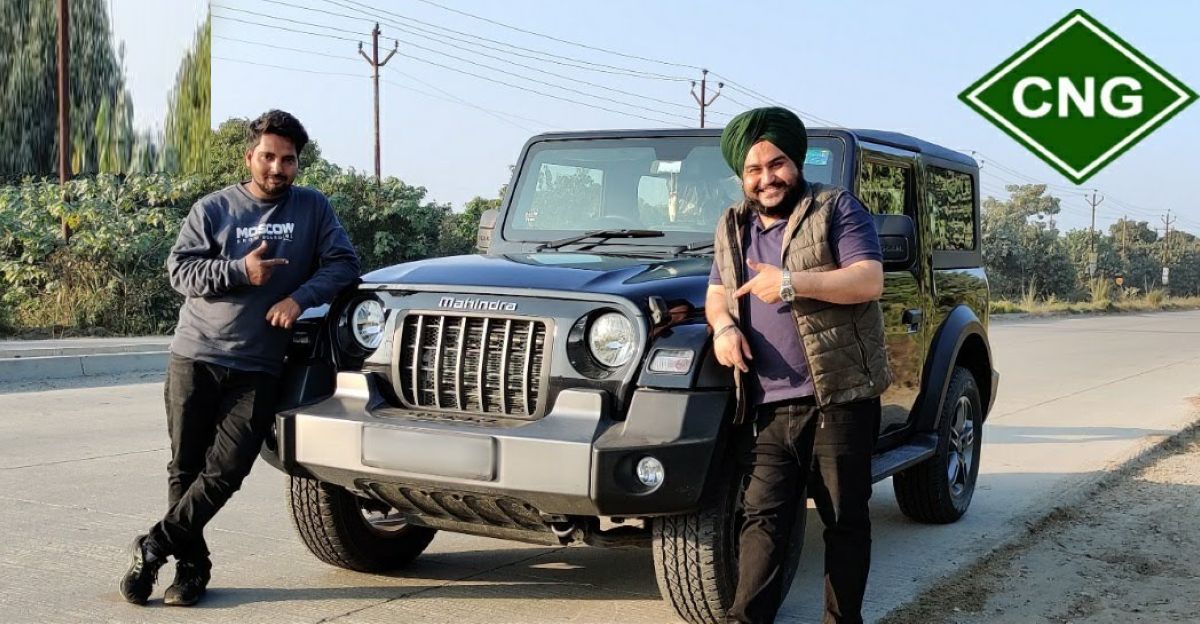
{"x":918,"y":449}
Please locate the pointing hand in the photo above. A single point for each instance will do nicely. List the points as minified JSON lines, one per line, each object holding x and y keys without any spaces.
{"x":258,"y":269}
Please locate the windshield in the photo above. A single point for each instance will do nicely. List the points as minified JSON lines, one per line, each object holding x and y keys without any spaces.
{"x":677,"y":185}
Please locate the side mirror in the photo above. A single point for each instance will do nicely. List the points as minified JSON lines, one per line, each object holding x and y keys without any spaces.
{"x":898,"y":240}
{"x":487,"y":223}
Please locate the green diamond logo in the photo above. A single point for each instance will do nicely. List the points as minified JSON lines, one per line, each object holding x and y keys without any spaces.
{"x":1078,"y":96}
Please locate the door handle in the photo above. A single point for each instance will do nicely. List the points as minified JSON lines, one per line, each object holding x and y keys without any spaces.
{"x":912,"y":320}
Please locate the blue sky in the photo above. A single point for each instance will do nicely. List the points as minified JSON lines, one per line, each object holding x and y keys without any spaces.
{"x":156,"y":34}
{"x":896,"y":66}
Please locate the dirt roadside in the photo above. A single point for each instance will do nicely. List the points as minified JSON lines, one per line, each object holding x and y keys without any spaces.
{"x":1129,"y":553}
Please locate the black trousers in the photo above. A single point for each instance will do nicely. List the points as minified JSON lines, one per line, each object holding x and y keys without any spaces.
{"x":790,"y":443}
{"x":217,"y":418}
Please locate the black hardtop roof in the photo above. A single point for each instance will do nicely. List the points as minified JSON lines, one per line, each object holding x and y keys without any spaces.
{"x":893,"y":139}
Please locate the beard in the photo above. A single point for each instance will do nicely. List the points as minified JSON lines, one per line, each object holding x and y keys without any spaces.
{"x":791,"y":197}
{"x":273,"y":185}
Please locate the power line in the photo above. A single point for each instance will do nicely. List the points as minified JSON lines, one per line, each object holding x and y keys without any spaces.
{"x":773,"y":102}
{"x":541,"y":93}
{"x":1137,"y":210}
{"x":449,"y":97}
{"x":456,"y":100}
{"x":296,"y":69}
{"x":649,"y":75}
{"x":550,"y":84}
{"x":277,"y":47}
{"x":302,"y":32}
{"x":516,"y":75}
{"x":554,"y":74}
{"x":467,"y":38}
{"x":287,"y":19}
{"x":445,"y":97}
{"x":566,"y":41}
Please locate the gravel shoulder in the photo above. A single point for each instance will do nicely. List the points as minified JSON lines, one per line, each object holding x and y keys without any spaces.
{"x":1130,"y":552}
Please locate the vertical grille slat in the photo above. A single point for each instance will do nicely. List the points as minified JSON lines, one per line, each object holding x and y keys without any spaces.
{"x":472,"y":364}
{"x":528,"y":379}
{"x":437,"y":363}
{"x":482,"y":377}
{"x":504,"y":367}
{"x":458,"y":364}
{"x":416,"y":361}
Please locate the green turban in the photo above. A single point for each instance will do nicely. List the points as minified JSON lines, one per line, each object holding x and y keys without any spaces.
{"x":780,"y":126}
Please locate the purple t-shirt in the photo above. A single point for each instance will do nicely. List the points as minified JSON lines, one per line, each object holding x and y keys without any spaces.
{"x":780,"y":366}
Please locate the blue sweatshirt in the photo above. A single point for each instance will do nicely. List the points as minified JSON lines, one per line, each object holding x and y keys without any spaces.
{"x":223,"y":320}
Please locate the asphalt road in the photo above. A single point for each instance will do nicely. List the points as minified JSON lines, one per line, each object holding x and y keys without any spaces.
{"x":82,"y":470}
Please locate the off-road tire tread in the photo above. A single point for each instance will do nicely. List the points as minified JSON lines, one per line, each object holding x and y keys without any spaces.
{"x":329,"y":523}
{"x":922,"y":491}
{"x":680,"y":555}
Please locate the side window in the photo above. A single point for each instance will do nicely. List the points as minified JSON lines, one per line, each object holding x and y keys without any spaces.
{"x":882,"y":188}
{"x":952,"y":210}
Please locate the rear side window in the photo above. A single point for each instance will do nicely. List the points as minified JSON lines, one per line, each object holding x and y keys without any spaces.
{"x":882,"y":187}
{"x":952,"y":210}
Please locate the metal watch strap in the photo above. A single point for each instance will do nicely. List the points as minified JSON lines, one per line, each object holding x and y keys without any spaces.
{"x":786,"y":291}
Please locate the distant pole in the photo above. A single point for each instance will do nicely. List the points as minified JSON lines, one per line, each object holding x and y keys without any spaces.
{"x":1124,"y":252}
{"x":64,"y":106}
{"x":703,"y":100}
{"x":375,"y":64}
{"x":1093,"y":202}
{"x":1167,"y":222}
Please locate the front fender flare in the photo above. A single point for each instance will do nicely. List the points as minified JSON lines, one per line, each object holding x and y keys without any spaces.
{"x":961,"y":340}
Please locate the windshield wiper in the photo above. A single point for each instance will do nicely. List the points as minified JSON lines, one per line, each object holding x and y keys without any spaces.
{"x":602,"y":235}
{"x":699,"y":245}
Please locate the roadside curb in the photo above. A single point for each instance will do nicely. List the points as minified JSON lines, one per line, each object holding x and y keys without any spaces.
{"x":72,"y":366}
{"x":1073,"y":495}
{"x":1033,"y":316}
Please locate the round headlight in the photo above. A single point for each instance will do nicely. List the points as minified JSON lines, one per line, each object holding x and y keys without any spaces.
{"x":366,"y":323}
{"x":612,"y":339}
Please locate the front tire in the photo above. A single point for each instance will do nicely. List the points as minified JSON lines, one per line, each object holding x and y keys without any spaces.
{"x":696,"y":554}
{"x":939,"y":489}
{"x":350,"y":532}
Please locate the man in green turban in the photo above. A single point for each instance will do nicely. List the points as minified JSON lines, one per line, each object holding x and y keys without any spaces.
{"x":809,"y":362}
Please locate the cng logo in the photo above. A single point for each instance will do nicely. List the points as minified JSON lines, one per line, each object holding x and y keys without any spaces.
{"x":1078,"y":96}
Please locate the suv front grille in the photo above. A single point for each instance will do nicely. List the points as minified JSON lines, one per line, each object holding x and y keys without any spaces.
{"x":471,"y":364}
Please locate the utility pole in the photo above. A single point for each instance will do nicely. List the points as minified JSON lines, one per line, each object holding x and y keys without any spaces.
{"x":703,"y":100}
{"x":1167,"y":223}
{"x":1124,"y":222}
{"x":375,"y":64}
{"x":64,"y":106}
{"x":1093,"y":202}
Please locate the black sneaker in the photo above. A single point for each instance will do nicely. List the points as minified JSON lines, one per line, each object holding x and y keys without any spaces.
{"x":138,"y":582}
{"x":191,"y":581}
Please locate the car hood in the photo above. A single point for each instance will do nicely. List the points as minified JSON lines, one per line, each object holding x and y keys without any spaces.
{"x":627,"y":276}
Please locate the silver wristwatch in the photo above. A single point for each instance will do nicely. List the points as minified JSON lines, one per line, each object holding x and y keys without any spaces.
{"x":786,"y":292}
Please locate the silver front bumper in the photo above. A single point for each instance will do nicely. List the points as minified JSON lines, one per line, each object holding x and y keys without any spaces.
{"x":574,"y":460}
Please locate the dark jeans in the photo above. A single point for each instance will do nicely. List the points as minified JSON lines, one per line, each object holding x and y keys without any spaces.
{"x":795,"y":441}
{"x":217,"y":418}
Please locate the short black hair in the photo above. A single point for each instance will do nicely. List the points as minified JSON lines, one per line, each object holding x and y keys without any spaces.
{"x":279,"y":123}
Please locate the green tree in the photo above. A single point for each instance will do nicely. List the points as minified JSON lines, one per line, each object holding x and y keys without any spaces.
{"x":189,"y":116}
{"x":1021,"y":249}
{"x":28,"y":83}
{"x":460,"y":229}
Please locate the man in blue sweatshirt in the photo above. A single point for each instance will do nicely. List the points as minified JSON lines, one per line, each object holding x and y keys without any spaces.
{"x":249,"y":259}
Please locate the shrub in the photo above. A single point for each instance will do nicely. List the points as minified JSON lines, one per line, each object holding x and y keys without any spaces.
{"x":111,"y":278}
